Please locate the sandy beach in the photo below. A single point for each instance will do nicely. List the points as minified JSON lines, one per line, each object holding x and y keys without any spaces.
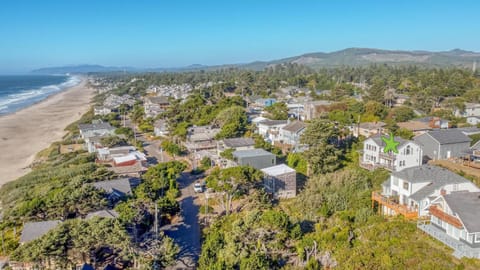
{"x":24,"y":133}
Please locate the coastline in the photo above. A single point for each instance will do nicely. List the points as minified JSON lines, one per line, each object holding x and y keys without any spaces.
{"x":26,"y":132}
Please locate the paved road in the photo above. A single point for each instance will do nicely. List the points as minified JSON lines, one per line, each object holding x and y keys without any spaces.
{"x":186,"y":232}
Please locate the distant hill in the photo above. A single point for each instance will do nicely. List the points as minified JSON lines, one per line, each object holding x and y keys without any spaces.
{"x":365,"y":56}
{"x":346,"y":57}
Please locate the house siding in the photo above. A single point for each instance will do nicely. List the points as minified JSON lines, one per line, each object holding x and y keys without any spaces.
{"x":429,"y":145}
{"x":257,"y":162}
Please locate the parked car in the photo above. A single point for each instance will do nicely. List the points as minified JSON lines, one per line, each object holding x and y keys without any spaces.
{"x":198,"y":187}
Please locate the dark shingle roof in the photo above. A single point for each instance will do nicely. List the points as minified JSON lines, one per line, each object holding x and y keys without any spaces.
{"x":238,"y":142}
{"x":273,"y":122}
{"x":295,"y":126}
{"x":120,"y":185}
{"x":377,"y":138}
{"x":434,"y":175}
{"x":467,"y":206}
{"x":35,"y":230}
{"x":447,"y":136}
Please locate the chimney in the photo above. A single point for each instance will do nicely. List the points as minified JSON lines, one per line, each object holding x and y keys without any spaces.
{"x":443,"y":192}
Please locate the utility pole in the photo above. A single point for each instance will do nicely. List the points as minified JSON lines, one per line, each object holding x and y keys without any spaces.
{"x":156,"y":221}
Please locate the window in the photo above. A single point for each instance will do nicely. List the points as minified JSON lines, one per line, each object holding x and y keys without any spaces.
{"x":408,"y":150}
{"x":405,"y":185}
{"x":273,"y":161}
{"x":477,"y":237}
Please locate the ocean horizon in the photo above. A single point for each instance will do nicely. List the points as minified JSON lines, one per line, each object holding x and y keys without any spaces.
{"x":20,"y":91}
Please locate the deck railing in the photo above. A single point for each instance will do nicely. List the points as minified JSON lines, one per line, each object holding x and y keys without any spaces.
{"x":398,"y":208}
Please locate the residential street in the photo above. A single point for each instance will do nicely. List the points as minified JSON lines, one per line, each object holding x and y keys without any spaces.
{"x":186,"y":232}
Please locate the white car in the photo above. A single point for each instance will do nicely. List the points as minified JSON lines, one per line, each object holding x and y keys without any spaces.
{"x":198,"y":187}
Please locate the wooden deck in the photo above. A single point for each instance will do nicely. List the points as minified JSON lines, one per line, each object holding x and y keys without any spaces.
{"x":390,"y":204}
{"x":445,"y":217}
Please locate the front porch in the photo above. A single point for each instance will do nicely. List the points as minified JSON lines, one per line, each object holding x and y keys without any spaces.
{"x":397,"y":208}
{"x":460,"y":248}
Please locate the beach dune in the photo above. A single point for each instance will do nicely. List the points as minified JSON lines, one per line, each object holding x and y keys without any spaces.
{"x":24,"y":133}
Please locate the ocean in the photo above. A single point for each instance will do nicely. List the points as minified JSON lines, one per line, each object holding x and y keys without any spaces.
{"x":20,"y":91}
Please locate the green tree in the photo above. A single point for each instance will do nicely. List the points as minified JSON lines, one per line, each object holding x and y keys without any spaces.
{"x":278,"y":111}
{"x":233,"y":122}
{"x":232,"y":182}
{"x":323,"y":154}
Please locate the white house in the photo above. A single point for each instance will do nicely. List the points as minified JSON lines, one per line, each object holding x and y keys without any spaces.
{"x":160,"y":128}
{"x":97,"y":129}
{"x":270,"y":129}
{"x":454,"y":221}
{"x":409,"y":154}
{"x":471,"y":109}
{"x":291,"y":133}
{"x":412,"y":190}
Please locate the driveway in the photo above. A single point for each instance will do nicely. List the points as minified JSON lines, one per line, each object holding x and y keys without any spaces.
{"x":186,"y":233}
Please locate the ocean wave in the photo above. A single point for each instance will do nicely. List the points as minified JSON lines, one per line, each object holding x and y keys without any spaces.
{"x":28,"y":97}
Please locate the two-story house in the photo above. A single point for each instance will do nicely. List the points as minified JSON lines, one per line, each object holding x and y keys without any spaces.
{"x":290,"y":135}
{"x":471,"y":109}
{"x":95,"y":129}
{"x":155,"y":105}
{"x":270,"y":129}
{"x":373,"y":156}
{"x":236,"y":144}
{"x":443,"y":144}
{"x":454,"y":220}
{"x":410,"y":191}
{"x":201,"y":138}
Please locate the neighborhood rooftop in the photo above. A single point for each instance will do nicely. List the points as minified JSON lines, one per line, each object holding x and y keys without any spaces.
{"x":449,"y":136}
{"x":277,"y":170}
{"x":437,"y":176}
{"x":377,"y":138}
{"x":295,"y":126}
{"x":35,"y":230}
{"x":238,"y":142}
{"x":273,"y":122}
{"x":87,"y":127}
{"x":467,"y":206}
{"x":251,"y":153}
{"x":122,"y":185}
{"x":103,"y":214}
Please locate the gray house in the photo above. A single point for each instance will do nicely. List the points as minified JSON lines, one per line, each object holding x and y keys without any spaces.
{"x":280,"y":180}
{"x":443,"y":144}
{"x":256,"y":158}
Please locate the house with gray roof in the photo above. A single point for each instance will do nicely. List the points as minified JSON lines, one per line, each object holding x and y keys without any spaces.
{"x":35,"y":230}
{"x":454,"y":221}
{"x":413,"y":189}
{"x":256,"y":158}
{"x":236,"y":144}
{"x":96,"y":129}
{"x":155,"y":105}
{"x":290,"y":135}
{"x":270,"y":129}
{"x":443,"y":144}
{"x":117,"y":188}
{"x":373,"y":156}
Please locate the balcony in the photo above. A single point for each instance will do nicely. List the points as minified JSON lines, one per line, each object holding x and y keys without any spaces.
{"x":371,"y":167}
{"x":435,"y":211}
{"x":395,"y":206}
{"x":387,"y":156}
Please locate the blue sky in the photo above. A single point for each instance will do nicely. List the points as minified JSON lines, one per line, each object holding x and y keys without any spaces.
{"x":177,"y":33}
